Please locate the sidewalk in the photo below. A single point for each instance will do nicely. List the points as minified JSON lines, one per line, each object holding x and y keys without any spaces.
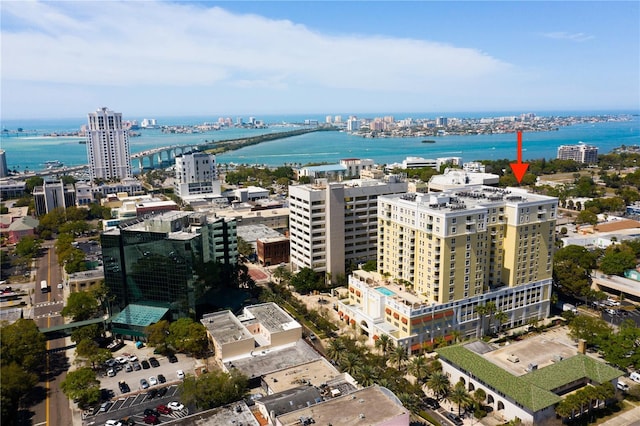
{"x":628,"y":418}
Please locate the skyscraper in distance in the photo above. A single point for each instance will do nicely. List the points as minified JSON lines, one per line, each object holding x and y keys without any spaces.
{"x":108,"y":146}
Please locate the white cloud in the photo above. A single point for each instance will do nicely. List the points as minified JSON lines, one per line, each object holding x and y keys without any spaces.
{"x":168,"y":44}
{"x":563,"y":35}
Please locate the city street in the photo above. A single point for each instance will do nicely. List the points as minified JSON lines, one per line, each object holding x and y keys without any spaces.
{"x":51,"y":406}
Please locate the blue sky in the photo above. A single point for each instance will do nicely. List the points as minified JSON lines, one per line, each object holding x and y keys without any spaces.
{"x":146,"y":58}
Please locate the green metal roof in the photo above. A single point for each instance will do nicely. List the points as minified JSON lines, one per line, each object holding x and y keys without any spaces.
{"x":139,"y":315}
{"x":522,"y":392}
{"x":533,"y":390}
{"x":570,"y":370}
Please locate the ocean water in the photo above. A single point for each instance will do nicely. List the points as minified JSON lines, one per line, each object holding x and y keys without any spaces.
{"x":30,"y":152}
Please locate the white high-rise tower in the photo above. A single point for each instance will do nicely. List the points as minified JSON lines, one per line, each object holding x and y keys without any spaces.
{"x":108,"y":146}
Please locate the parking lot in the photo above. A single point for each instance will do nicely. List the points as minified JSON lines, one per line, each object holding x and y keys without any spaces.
{"x":134,"y":402}
{"x":133,"y":405}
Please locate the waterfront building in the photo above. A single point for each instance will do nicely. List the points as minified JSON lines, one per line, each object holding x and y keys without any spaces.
{"x":153,"y":262}
{"x":354,"y":166}
{"x":4,"y":171}
{"x":196,"y":174}
{"x":442,"y":255}
{"x":353,"y":124}
{"x":335,"y":224}
{"x":456,"y":178}
{"x":108,"y":146}
{"x":10,"y":188}
{"x":581,"y":153}
{"x":52,"y":195}
{"x":442,"y":121}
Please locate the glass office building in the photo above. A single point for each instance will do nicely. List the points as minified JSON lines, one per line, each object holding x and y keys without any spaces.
{"x":155,"y":262}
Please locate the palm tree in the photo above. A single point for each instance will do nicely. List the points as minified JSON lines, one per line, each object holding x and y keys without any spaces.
{"x":400,"y":356}
{"x":479,"y":395}
{"x":439,"y":385}
{"x":419,"y":368}
{"x":501,"y":317}
{"x":460,"y":396}
{"x":482,"y":311}
{"x":384,"y":344}
{"x":335,"y":349}
{"x":350,"y":363}
{"x":455,"y":335}
{"x":367,"y":375}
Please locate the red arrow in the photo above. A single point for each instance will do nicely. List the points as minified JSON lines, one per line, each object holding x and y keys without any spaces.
{"x":519,"y":168}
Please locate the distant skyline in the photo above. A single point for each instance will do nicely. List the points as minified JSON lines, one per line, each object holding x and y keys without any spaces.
{"x":150,"y":58}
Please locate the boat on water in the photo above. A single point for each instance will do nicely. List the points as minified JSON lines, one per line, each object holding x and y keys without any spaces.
{"x":82,"y":142}
{"x":53,"y":164}
{"x":428,"y":141}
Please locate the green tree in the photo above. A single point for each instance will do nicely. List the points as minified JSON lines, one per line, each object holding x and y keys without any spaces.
{"x":400,"y":356}
{"x":460,"y":396}
{"x":439,"y":385}
{"x":370,"y":266}
{"x":90,"y":332}
{"x":384,"y":344}
{"x":81,"y":306}
{"x":282,"y":274}
{"x":23,"y":343}
{"x":419,"y":368}
{"x":306,"y":281}
{"x":351,"y":363}
{"x":83,"y":386}
{"x":28,"y":247}
{"x":588,"y":217}
{"x":244,"y":248}
{"x":188,"y":336}
{"x":32,"y":182}
{"x":16,"y":383}
{"x":617,"y":259}
{"x":88,"y":352}
{"x":588,"y":328}
{"x":157,"y":335}
{"x":213,"y":389}
{"x":335,"y":349}
{"x":576,"y":254}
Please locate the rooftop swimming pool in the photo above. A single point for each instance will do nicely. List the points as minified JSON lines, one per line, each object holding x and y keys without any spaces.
{"x":385,"y":291}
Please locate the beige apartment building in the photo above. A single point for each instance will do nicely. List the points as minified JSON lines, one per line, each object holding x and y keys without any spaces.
{"x":333,"y":224}
{"x":441,"y":255}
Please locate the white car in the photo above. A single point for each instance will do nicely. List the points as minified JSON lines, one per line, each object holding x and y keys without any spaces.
{"x":111,"y":372}
{"x":180,"y":374}
{"x":121,"y":360}
{"x":133,"y":358}
{"x":113,"y":423}
{"x":153,"y":381}
{"x":175,"y":406}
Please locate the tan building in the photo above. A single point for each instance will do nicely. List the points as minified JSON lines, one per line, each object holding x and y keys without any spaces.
{"x":442,"y":255}
{"x":375,"y":406}
{"x":259,"y":328}
{"x":335,"y":224}
{"x":83,"y":281}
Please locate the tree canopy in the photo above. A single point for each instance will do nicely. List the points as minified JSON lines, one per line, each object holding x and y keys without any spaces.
{"x":188,"y":336}
{"x":81,"y":306}
{"x":83,"y":386}
{"x":213,"y":389}
{"x":23,"y":344}
{"x":307,"y":280}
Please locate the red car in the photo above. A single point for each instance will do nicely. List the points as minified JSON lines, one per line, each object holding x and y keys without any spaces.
{"x":163,"y":409}
{"x":151,"y":420}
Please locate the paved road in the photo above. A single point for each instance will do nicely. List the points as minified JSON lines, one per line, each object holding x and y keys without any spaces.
{"x":53,"y":409}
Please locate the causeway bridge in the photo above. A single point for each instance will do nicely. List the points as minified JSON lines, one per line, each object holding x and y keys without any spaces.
{"x":164,"y":156}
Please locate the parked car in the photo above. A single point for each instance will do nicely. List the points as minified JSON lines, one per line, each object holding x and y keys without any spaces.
{"x":133,"y":358}
{"x":124,"y":387}
{"x":154,"y":362}
{"x":152,"y":393}
{"x":180,"y":374}
{"x":163,"y":409}
{"x":162,"y":392}
{"x":121,"y":359}
{"x":172,"y":358}
{"x":432,"y":403}
{"x":454,"y":418}
{"x":111,"y":372}
{"x":128,"y":368}
{"x":105,"y":407}
{"x":175,"y":406}
{"x":622,"y":386}
{"x":113,"y":423}
{"x":144,"y":384}
{"x":151,"y":420}
{"x":161,"y":378}
{"x":150,"y":412}
{"x":145,"y":364}
{"x":153,"y":381}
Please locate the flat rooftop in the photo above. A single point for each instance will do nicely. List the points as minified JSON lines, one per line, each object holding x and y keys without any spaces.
{"x":316,"y":372}
{"x":270,"y":316}
{"x":236,"y":413}
{"x":267,"y":361}
{"x":225,"y":327}
{"x":377,"y":404}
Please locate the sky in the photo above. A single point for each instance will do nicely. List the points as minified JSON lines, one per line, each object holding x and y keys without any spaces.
{"x":158,"y":58}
